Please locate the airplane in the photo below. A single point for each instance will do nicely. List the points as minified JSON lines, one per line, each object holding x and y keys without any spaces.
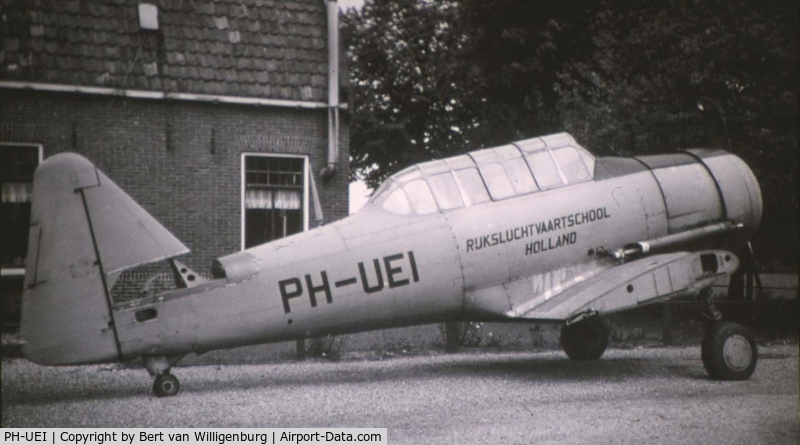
{"x":536,"y":231}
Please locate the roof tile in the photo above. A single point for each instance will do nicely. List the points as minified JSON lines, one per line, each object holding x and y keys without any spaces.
{"x":221,"y":22}
{"x":11,"y":45}
{"x":204,"y":8}
{"x":150,"y":69}
{"x":261,"y":48}
{"x":156,"y":83}
{"x":206,"y":74}
{"x":253,"y":26}
{"x":265,"y":90}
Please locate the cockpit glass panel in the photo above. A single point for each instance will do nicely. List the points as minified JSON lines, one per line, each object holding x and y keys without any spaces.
{"x":446,"y":191}
{"x":544,"y":169}
{"x":382,"y":189}
{"x":420,"y":197}
{"x":489,"y":174}
{"x":497,"y":181}
{"x":531,"y":145}
{"x":406,"y":175}
{"x":434,"y":167}
{"x":484,"y":156}
{"x":558,"y":140}
{"x":472,"y":189}
{"x":571,"y":164}
{"x":459,"y":162}
{"x":507,"y":152}
{"x":397,"y":203}
{"x":520,"y":175}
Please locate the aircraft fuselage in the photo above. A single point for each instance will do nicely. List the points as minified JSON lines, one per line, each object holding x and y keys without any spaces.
{"x":538,"y":230}
{"x":376,"y":270}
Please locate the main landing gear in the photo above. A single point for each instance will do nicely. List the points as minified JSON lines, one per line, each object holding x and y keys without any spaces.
{"x":165,"y":384}
{"x":729,"y":349}
{"x":585,"y":339}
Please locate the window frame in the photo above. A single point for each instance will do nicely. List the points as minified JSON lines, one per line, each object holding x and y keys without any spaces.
{"x":20,"y":271}
{"x":243,"y":190}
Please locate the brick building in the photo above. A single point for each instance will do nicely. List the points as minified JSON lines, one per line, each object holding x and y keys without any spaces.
{"x":220,"y":117}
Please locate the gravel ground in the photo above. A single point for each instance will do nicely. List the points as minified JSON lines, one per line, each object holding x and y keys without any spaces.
{"x":657,"y":395}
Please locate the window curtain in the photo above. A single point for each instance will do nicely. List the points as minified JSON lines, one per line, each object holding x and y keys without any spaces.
{"x":262,"y":199}
{"x":16,"y":192}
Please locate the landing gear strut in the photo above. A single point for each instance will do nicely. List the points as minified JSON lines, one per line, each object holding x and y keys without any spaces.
{"x":729,"y":349}
{"x":586,"y":339}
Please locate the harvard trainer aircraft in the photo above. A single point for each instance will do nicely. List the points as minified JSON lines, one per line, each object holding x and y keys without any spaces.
{"x":535,"y":231}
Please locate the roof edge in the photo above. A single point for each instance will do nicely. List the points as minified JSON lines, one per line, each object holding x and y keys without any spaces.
{"x":160,"y":95}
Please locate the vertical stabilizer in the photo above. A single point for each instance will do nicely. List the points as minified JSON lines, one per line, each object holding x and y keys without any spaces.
{"x":84,"y":231}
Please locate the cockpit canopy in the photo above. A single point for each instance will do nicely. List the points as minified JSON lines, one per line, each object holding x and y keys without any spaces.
{"x":492,"y":174}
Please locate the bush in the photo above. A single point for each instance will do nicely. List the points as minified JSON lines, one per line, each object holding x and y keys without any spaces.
{"x":461,"y":334}
{"x":331,"y":347}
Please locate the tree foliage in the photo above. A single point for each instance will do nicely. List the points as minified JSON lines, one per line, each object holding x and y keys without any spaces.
{"x":432,"y":78}
{"x":407,"y":97}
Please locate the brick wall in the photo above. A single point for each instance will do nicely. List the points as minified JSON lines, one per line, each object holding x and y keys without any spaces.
{"x":181,"y":161}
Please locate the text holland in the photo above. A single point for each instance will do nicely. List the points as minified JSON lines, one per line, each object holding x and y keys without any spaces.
{"x":551,"y":243}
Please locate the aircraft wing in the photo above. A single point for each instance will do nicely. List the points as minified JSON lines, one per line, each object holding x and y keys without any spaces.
{"x":617,"y":287}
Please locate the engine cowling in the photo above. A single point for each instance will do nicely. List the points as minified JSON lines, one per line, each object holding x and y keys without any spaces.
{"x":700,"y":187}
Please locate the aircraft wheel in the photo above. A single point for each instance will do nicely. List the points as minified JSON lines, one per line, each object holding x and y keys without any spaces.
{"x":166,"y":385}
{"x":729,"y":351}
{"x":585,"y":340}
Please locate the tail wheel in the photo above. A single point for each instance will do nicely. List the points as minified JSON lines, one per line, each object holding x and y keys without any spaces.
{"x":729,"y":351}
{"x":585,"y":340}
{"x":166,"y":385}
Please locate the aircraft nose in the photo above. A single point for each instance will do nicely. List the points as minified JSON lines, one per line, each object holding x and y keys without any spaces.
{"x":738,"y":186}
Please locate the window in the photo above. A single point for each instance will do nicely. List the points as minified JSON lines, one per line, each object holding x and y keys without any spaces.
{"x":420,"y":196}
{"x":520,"y":176}
{"x":490,"y":174}
{"x":408,"y":174}
{"x":504,"y":171}
{"x":544,"y":169}
{"x":497,"y":181}
{"x":396,"y":202}
{"x":446,"y":192}
{"x":275,"y":198}
{"x":472,"y":188}
{"x":17,"y":165}
{"x":459,"y":162}
{"x":571,"y":164}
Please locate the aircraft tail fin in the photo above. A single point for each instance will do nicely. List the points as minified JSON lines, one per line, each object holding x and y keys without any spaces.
{"x":84,"y":231}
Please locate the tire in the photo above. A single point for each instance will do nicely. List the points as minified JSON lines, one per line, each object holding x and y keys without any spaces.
{"x":585,"y":340}
{"x":729,"y":351}
{"x":166,"y":385}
